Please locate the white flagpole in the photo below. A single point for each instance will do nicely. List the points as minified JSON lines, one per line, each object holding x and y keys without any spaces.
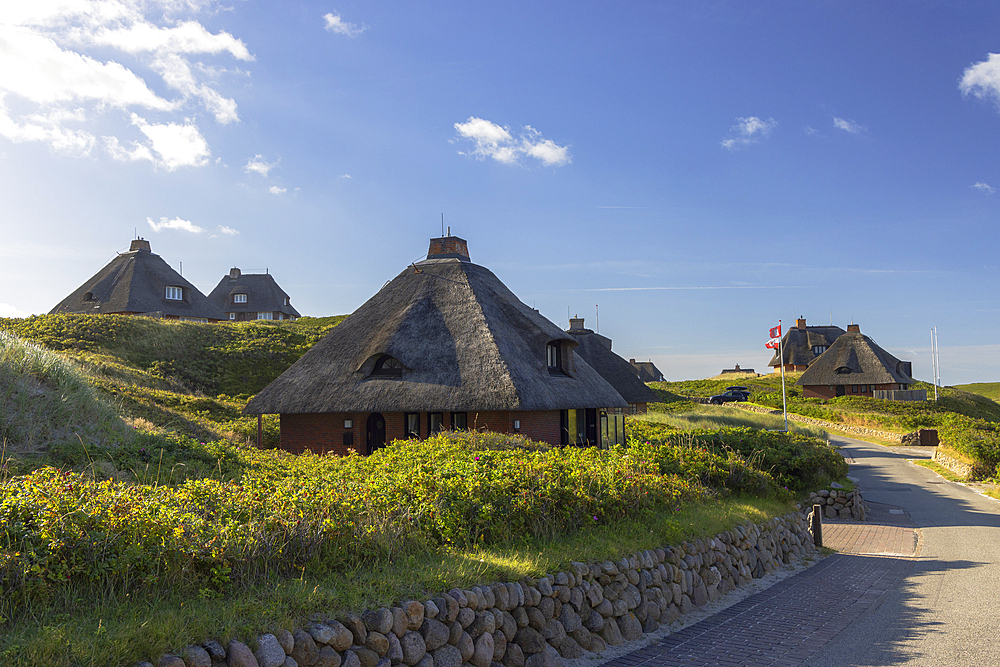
{"x":781,"y":362}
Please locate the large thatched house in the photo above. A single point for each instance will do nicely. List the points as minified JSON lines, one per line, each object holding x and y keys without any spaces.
{"x":139,"y":282}
{"x":595,"y":349}
{"x":444,"y":345}
{"x":802,"y":345}
{"x":856,"y":366}
{"x":252,"y":296}
{"x":646,"y":371}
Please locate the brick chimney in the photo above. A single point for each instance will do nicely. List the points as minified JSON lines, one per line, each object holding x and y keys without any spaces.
{"x":234,"y":273}
{"x":576,"y":324}
{"x":853,"y":328}
{"x":139,"y":244}
{"x":448,"y":247}
{"x":800,"y":323}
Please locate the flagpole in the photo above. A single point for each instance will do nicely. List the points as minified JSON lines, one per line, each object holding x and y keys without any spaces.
{"x":781,"y":362}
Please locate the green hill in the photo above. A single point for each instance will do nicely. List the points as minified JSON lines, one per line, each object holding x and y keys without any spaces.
{"x":990,"y":390}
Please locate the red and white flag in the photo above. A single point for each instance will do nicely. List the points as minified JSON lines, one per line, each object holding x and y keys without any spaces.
{"x":775,"y":341}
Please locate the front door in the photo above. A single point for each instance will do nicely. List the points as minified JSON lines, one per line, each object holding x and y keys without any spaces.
{"x":375,"y":432}
{"x":591,"y":432}
{"x":841,"y":390}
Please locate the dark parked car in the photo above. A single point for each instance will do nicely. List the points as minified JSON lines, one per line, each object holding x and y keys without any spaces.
{"x":727,"y":397}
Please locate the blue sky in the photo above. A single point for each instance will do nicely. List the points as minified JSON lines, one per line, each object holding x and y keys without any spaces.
{"x":696,"y":170}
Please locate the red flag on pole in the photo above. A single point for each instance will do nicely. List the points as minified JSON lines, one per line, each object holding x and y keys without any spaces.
{"x":775,"y":335}
{"x":775,"y":332}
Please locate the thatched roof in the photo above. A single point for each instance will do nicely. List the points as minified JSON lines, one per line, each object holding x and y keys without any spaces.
{"x":798,"y":343}
{"x":646,"y":370}
{"x":595,"y":349}
{"x":263,"y":294}
{"x":854,"y":358}
{"x":135,"y":283}
{"x":465,"y":343}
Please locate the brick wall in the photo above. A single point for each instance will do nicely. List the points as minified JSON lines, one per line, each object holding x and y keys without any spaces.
{"x":324,"y":432}
{"x":824,"y":390}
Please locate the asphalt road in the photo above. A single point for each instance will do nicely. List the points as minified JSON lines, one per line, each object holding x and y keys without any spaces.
{"x":946,"y":609}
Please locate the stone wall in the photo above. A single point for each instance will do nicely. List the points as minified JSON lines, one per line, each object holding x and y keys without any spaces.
{"x":838,"y":504}
{"x":533,"y":622}
{"x":822,"y":423}
{"x":956,"y":466}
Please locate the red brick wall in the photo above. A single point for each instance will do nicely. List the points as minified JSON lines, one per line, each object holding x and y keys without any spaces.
{"x":324,"y":432}
{"x":824,"y":391}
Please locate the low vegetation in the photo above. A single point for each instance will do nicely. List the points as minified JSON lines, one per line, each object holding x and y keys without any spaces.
{"x":138,"y":514}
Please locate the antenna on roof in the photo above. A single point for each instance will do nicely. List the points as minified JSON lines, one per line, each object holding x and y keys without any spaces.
{"x":182,"y":268}
{"x":442,"y":224}
{"x":598,"y":309}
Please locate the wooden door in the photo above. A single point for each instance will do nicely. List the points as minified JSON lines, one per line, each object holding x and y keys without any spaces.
{"x":375,"y":432}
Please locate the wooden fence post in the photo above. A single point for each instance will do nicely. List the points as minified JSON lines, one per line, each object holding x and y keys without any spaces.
{"x":816,"y":521}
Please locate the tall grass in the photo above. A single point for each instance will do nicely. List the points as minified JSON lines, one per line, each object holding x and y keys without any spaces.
{"x":46,"y":399}
{"x":714,"y":417}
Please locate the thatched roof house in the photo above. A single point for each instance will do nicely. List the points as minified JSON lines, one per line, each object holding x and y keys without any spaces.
{"x":252,"y":296}
{"x":139,"y":282}
{"x":856,"y":366}
{"x":595,"y":349}
{"x":646,"y":371}
{"x":802,"y":345}
{"x":443,"y":345}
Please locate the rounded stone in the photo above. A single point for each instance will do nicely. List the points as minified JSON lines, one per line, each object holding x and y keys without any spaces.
{"x":169,"y":660}
{"x":196,"y":656}
{"x":304,"y":649}
{"x":327,"y":658}
{"x":530,"y":640}
{"x":435,"y":633}
{"x":413,"y":647}
{"x":483,"y":654}
{"x":367,"y":656}
{"x":269,"y":652}
{"x":395,"y":652}
{"x":378,"y":620}
{"x":514,"y":657}
{"x":499,"y":645}
{"x":447,"y":656}
{"x":350,"y":660}
{"x":377,"y":642}
{"x":466,"y":646}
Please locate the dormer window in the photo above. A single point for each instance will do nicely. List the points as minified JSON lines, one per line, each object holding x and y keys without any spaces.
{"x":386,"y":366}
{"x":842,"y":370}
{"x":819,"y":349}
{"x":288,"y":301}
{"x":553,"y":358}
{"x":175,"y":293}
{"x":239,"y":298}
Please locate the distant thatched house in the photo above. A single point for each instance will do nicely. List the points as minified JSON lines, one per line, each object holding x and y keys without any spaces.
{"x":646,"y":371}
{"x":140,"y":283}
{"x":444,"y":345}
{"x":855,"y":366}
{"x":252,"y":296}
{"x":802,"y":345}
{"x":595,"y":349}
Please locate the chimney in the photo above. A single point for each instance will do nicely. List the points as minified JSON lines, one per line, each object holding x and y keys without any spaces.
{"x":576,"y":324}
{"x":853,"y":328}
{"x":139,"y":244}
{"x":800,"y":323}
{"x":632,"y":361}
{"x":234,"y":273}
{"x":448,"y":247}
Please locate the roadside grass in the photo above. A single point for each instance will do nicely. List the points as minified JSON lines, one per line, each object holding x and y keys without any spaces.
{"x":122,"y":631}
{"x":698,"y":416}
{"x":940,"y":470}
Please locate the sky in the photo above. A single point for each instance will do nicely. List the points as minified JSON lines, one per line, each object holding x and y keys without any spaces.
{"x":681,"y":174}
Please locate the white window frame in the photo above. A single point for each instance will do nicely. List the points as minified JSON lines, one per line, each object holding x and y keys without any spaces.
{"x":174,"y":293}
{"x":239,"y":298}
{"x":265,"y":316}
{"x":232,"y":316}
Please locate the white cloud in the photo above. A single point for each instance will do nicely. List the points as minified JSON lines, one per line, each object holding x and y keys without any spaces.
{"x":346,"y":176}
{"x":7,"y":310}
{"x":496,"y":142}
{"x":983,"y":79}
{"x":177,"y":145}
{"x":259,"y":165}
{"x":747,"y":131}
{"x":275,"y":190}
{"x":848,"y":125}
{"x":176,"y":223}
{"x":228,"y":231}
{"x":983,"y":187}
{"x":62,"y":73}
{"x":337,"y":25}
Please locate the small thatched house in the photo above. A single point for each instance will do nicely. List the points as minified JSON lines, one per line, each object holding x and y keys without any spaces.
{"x":139,"y":282}
{"x":444,"y":345}
{"x":252,"y":296}
{"x":646,"y":371}
{"x":595,"y":349}
{"x":855,"y":366}
{"x":802,"y":345}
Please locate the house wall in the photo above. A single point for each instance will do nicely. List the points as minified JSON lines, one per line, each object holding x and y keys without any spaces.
{"x":324,"y":432}
{"x":825,"y":390}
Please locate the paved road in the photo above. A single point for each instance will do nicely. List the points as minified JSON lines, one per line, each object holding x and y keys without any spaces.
{"x":917,"y":584}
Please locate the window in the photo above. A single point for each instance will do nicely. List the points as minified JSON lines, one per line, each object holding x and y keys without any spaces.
{"x":819,"y":349}
{"x":239,"y":298}
{"x":386,"y":366}
{"x":288,"y":301}
{"x":232,"y":316}
{"x":435,"y":422}
{"x":265,"y":316}
{"x":175,"y":293}
{"x":412,"y":425}
{"x":854,"y":388}
{"x":459,"y":421}
{"x":553,"y":357}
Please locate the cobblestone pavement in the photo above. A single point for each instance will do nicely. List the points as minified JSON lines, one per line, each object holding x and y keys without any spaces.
{"x":785,"y":624}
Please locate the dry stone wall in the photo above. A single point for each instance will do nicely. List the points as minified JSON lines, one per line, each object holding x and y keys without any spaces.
{"x":533,"y":622}
{"x":838,"y":504}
